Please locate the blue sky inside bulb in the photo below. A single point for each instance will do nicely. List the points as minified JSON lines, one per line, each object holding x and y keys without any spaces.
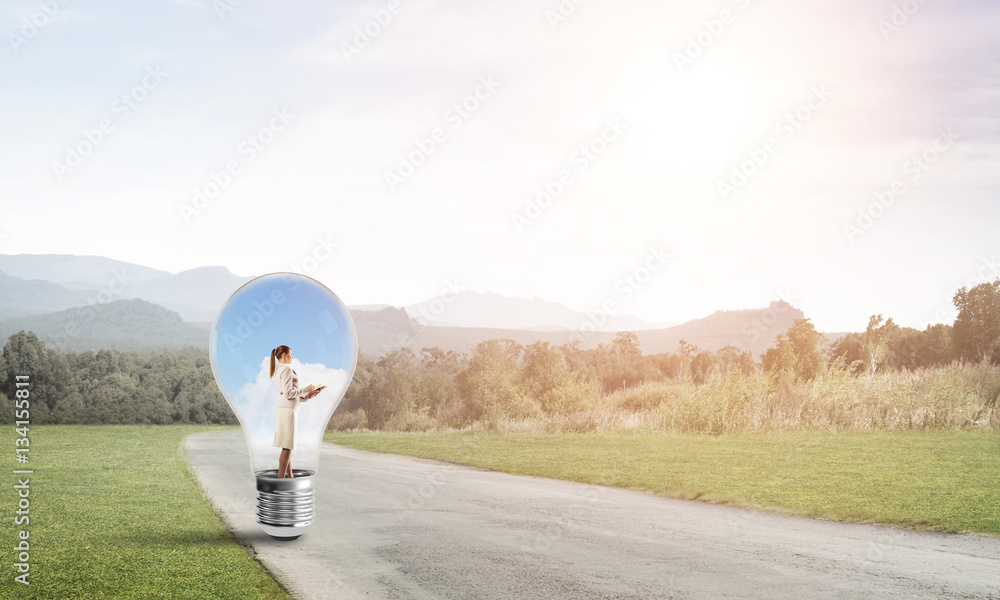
{"x":303,"y":314}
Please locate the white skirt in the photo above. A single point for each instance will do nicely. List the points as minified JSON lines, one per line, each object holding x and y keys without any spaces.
{"x":284,"y":428}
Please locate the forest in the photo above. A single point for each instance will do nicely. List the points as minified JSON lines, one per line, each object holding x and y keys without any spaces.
{"x":886,"y":377}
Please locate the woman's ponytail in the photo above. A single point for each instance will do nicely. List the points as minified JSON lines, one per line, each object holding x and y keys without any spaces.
{"x":278,"y":352}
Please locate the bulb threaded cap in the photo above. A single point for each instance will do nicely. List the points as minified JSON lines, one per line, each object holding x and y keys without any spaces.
{"x":286,"y":506}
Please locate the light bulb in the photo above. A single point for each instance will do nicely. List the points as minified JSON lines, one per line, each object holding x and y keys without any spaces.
{"x":283,"y":309}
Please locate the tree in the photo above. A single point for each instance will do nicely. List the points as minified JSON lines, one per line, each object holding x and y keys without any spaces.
{"x":436,"y":391}
{"x":734,"y":359}
{"x":620,"y":363}
{"x":390,"y":390}
{"x":24,"y":354}
{"x":779,"y":358}
{"x":701,"y":366}
{"x":668,"y":365}
{"x":363,"y":373}
{"x":851,"y":351}
{"x":686,"y":352}
{"x":799,"y":351}
{"x":546,"y":377}
{"x":3,"y":376}
{"x":48,"y":373}
{"x":938,"y":349}
{"x":544,"y":369}
{"x":626,"y":346}
{"x":874,"y":341}
{"x":905,"y":348}
{"x":490,"y":385}
{"x":976,"y":333}
{"x":435,"y":361}
{"x":576,"y":357}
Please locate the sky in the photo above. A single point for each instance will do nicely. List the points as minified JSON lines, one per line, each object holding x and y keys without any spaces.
{"x":298,"y":312}
{"x":674,"y":158}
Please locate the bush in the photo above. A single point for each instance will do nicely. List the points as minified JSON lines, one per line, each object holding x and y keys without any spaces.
{"x":496,"y":393}
{"x":570,"y":398}
{"x":411,"y":421}
{"x":345,"y":421}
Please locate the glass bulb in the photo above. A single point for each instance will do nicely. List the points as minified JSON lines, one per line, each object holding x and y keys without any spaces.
{"x":283,"y":309}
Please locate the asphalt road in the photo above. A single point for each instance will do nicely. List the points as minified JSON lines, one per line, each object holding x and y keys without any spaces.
{"x":398,"y":527}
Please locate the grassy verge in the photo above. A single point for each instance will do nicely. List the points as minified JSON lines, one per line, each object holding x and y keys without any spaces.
{"x":943,"y":481}
{"x":115,"y":515}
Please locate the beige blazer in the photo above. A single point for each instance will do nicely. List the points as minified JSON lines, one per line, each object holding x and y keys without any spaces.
{"x":289,"y":392}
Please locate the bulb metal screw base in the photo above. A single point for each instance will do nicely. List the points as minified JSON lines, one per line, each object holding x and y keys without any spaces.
{"x":286,"y":506}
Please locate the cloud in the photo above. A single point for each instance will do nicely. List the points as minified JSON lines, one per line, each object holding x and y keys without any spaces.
{"x":255,"y":404}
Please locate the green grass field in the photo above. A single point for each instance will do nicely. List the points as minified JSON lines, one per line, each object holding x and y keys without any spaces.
{"x":945,"y":481}
{"x":114,"y":514}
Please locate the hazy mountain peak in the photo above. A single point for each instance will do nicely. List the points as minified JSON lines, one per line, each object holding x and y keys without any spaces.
{"x":470,"y":308}
{"x":80,"y":270}
{"x":451,"y":321}
{"x":199,"y":272}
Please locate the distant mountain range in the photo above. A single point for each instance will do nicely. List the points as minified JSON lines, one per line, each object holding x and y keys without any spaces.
{"x":754,"y":330}
{"x":28,"y":296}
{"x":35,"y":283}
{"x":118,"y":325}
{"x":489,"y":309}
{"x":93,"y":302}
{"x":74,"y":272}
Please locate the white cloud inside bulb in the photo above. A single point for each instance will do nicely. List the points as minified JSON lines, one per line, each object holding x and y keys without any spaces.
{"x":255,"y":404}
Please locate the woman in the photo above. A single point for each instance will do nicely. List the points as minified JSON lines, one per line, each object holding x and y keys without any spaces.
{"x":291,"y":394}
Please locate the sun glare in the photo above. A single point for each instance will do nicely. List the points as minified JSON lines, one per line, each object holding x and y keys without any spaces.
{"x":694,"y":113}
